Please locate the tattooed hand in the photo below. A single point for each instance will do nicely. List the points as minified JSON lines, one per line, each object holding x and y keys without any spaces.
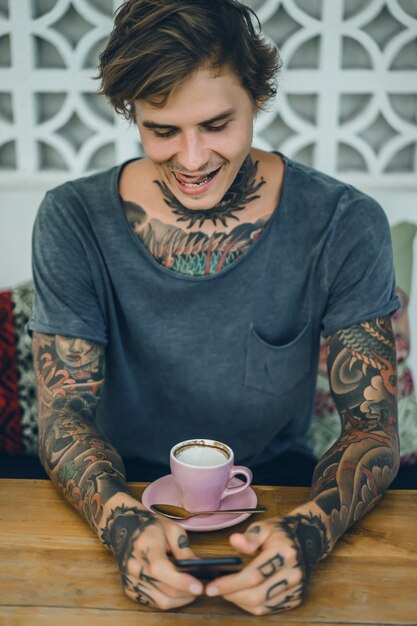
{"x":276,"y":579}
{"x":140,"y":542}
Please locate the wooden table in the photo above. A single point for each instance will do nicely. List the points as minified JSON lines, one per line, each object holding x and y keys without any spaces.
{"x":53,"y":570}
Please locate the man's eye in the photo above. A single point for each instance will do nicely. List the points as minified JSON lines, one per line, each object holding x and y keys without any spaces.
{"x":165,"y":134}
{"x":216,"y":129}
{"x":173,"y":131}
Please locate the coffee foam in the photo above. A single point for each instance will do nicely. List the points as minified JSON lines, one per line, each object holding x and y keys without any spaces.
{"x":203,"y":455}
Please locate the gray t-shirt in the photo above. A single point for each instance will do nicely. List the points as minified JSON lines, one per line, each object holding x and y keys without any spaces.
{"x":230,"y":356}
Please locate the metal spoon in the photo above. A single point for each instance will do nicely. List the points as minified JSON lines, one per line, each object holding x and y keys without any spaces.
{"x":177,"y":512}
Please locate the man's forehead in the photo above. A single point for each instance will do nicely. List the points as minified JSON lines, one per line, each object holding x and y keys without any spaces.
{"x":212,"y":93}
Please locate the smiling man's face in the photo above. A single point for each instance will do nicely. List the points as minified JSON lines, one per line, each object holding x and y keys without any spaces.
{"x":199,"y":139}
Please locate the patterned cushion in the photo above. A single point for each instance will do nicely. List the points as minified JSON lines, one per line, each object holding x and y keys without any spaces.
{"x":23,"y":300}
{"x":10,"y":414}
{"x":18,"y":411}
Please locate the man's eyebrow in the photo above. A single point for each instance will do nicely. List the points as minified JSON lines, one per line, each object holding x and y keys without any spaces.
{"x":212,"y":120}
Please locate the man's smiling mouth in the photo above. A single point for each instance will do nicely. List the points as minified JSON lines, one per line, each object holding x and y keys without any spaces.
{"x":193,"y":182}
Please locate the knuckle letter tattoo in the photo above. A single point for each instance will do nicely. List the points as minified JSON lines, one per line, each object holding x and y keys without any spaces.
{"x":270,"y":567}
{"x":271,"y":591}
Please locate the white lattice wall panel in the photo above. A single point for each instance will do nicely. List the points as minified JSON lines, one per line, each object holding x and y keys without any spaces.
{"x":347,"y":102}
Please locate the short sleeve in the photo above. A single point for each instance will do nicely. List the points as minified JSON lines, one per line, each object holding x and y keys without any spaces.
{"x":358,"y":270}
{"x":66,"y":301}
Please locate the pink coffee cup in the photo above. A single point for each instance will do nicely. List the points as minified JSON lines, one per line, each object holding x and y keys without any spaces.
{"x":202,"y":470}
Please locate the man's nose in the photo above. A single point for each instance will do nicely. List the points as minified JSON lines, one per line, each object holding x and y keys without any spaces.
{"x":193,"y":155}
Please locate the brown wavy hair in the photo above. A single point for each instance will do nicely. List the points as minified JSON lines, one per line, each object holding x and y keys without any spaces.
{"x":157,"y":44}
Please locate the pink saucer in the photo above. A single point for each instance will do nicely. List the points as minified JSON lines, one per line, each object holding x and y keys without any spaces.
{"x":164,"y":491}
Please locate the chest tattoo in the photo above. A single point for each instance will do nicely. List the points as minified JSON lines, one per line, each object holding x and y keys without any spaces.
{"x":191,"y":253}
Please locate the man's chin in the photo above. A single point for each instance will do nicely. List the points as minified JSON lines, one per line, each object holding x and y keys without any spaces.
{"x":198,"y":204}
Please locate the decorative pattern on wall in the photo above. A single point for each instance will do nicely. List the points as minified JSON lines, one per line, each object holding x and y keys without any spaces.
{"x":347,"y":102}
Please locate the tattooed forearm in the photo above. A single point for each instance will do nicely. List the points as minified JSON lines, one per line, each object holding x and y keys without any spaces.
{"x":352,"y":475}
{"x":81,"y":463}
{"x":355,"y":471}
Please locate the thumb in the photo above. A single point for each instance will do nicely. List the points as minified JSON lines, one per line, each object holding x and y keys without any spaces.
{"x":178,"y":542}
{"x":250,"y":541}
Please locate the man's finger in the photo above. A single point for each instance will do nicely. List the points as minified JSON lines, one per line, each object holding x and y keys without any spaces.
{"x":274,"y":595}
{"x":284,"y":604}
{"x":247,"y":577}
{"x":162,"y":568}
{"x":262,"y":567}
{"x":270,"y":592}
{"x":178,"y":542}
{"x":149,"y":592}
{"x":250,"y":541}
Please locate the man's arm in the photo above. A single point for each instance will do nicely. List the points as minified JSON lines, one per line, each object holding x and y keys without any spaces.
{"x":347,"y":482}
{"x":361,"y":464}
{"x":90,"y":474}
{"x":83,"y":466}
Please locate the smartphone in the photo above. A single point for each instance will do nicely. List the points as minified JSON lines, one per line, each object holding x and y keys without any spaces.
{"x":210,"y":568}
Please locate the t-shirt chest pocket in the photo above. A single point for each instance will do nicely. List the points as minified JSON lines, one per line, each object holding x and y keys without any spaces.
{"x":277,"y":368}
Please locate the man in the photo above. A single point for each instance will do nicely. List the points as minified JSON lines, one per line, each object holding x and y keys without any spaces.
{"x":183,"y":295}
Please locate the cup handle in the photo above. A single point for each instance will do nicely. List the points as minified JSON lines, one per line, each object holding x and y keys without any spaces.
{"x":238,"y":469}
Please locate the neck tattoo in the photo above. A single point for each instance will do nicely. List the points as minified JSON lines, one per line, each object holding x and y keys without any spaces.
{"x":242,"y":191}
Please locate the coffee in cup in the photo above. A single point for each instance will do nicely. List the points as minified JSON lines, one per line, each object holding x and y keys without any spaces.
{"x":202,"y":470}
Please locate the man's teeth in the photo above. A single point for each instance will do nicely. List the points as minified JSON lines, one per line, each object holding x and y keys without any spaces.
{"x":196,"y":183}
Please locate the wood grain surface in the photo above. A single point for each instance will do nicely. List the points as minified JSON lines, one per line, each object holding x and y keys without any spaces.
{"x":53,"y":569}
